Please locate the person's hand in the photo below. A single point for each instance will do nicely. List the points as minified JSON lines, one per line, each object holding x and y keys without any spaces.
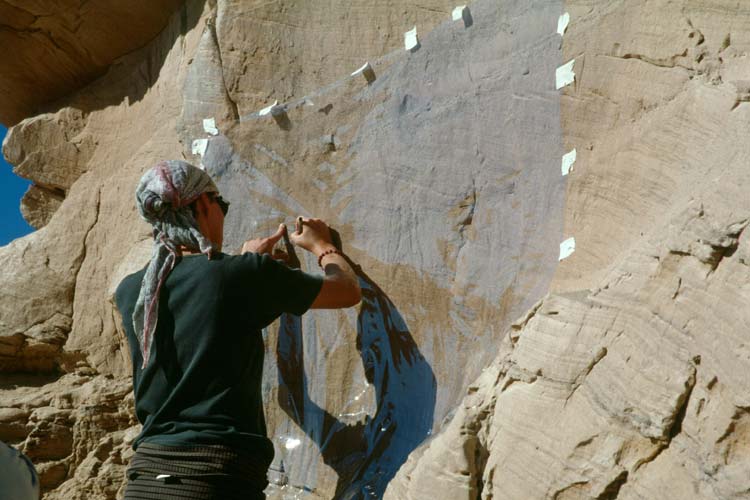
{"x":266,"y":245}
{"x":315,"y":236}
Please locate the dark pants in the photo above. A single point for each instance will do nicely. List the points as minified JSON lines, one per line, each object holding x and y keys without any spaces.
{"x":194,"y":473}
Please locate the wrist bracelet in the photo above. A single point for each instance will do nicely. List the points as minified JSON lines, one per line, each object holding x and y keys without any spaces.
{"x":327,"y":252}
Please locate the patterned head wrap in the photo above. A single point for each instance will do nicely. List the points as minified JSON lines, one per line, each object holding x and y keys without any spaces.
{"x":163,"y":196}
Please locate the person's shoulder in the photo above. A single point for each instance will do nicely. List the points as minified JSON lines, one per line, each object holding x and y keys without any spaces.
{"x":248,"y":260}
{"x":129,"y":285}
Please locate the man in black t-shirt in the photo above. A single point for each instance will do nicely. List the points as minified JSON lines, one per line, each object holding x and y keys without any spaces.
{"x":193,"y":318}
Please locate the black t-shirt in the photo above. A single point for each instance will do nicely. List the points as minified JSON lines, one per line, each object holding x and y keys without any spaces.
{"x":202,"y":384}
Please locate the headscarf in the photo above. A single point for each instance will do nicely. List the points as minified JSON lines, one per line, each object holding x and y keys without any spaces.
{"x":163,"y":196}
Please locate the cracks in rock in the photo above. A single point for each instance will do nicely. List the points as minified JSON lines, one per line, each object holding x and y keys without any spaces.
{"x":567,"y":489}
{"x":666,"y":62}
{"x":601,"y":353}
{"x":481,"y":451}
{"x":714,"y":244}
{"x":481,"y":454}
{"x":514,"y":332}
{"x":428,"y":9}
{"x":520,"y":375}
{"x":681,"y":407}
{"x":696,"y":58}
{"x":464,"y":211}
{"x":677,"y":289}
{"x":675,"y":429}
{"x":469,"y":203}
{"x":612,"y":490}
{"x":732,"y":444}
{"x":82,"y":257}
{"x":211,"y":24}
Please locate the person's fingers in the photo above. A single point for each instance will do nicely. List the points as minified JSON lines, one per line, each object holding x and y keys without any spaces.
{"x":280,"y":255}
{"x":277,"y":235}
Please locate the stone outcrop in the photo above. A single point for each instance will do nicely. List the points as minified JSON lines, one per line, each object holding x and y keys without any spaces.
{"x":626,"y":381}
{"x":52,"y":150}
{"x":54,"y":48}
{"x":616,"y":373}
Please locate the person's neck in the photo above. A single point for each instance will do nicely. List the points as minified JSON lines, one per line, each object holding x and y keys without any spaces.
{"x":189,"y":251}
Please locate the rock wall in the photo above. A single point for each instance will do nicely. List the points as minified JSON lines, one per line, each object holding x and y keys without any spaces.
{"x":627,"y":380}
{"x":59,"y":46}
{"x":615,"y":372}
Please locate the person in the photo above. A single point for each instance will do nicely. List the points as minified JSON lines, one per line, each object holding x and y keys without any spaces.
{"x":18,"y":477}
{"x":193,"y":318}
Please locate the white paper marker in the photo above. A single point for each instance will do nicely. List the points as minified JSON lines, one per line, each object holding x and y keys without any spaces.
{"x":200,"y":146}
{"x":565,"y":75}
{"x":562,"y":23}
{"x":269,"y":109}
{"x":410,"y":39}
{"x":458,"y":12}
{"x":567,"y":248}
{"x":209,"y":125}
{"x":362,"y":69}
{"x":367,"y":72}
{"x":567,"y":162}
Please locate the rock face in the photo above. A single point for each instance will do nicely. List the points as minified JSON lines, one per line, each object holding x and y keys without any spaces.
{"x":615,"y":373}
{"x":627,"y":380}
{"x":61,"y":45}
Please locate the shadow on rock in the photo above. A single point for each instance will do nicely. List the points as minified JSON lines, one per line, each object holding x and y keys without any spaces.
{"x":368,"y":454}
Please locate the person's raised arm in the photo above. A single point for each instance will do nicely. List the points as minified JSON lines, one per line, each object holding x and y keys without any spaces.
{"x":340,"y":286}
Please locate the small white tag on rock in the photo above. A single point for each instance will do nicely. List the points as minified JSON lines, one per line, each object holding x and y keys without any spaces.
{"x":410,"y":39}
{"x":458,"y":12}
{"x":562,"y":23}
{"x":367,"y":72}
{"x":200,"y":146}
{"x":567,"y":162}
{"x":163,"y":476}
{"x":567,"y":248}
{"x":209,"y":125}
{"x":267,"y":110}
{"x":565,"y":75}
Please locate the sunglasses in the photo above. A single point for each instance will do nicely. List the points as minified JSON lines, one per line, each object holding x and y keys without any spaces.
{"x":223,"y":204}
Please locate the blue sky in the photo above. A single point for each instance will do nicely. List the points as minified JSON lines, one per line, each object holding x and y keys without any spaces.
{"x":12,"y":188}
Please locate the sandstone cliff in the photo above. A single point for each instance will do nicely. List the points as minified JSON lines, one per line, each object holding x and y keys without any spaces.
{"x":628,"y":379}
{"x":618,"y":371}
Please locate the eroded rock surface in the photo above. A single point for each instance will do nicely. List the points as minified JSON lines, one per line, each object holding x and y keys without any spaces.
{"x":55,"y":47}
{"x":626,"y":382}
{"x":617,"y":373}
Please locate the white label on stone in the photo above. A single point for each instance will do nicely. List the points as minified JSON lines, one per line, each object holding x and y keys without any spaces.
{"x":458,"y":12}
{"x":200,"y":146}
{"x":267,"y":110}
{"x":567,"y":162}
{"x":562,"y":23}
{"x":410,"y":39}
{"x":567,"y":248}
{"x":209,"y":125}
{"x":361,"y":70}
{"x":565,"y":75}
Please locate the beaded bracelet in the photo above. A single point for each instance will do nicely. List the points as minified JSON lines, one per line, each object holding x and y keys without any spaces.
{"x":327,"y":252}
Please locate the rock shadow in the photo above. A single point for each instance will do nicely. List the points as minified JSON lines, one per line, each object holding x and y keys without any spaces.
{"x":365,"y":455}
{"x":132,"y":75}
